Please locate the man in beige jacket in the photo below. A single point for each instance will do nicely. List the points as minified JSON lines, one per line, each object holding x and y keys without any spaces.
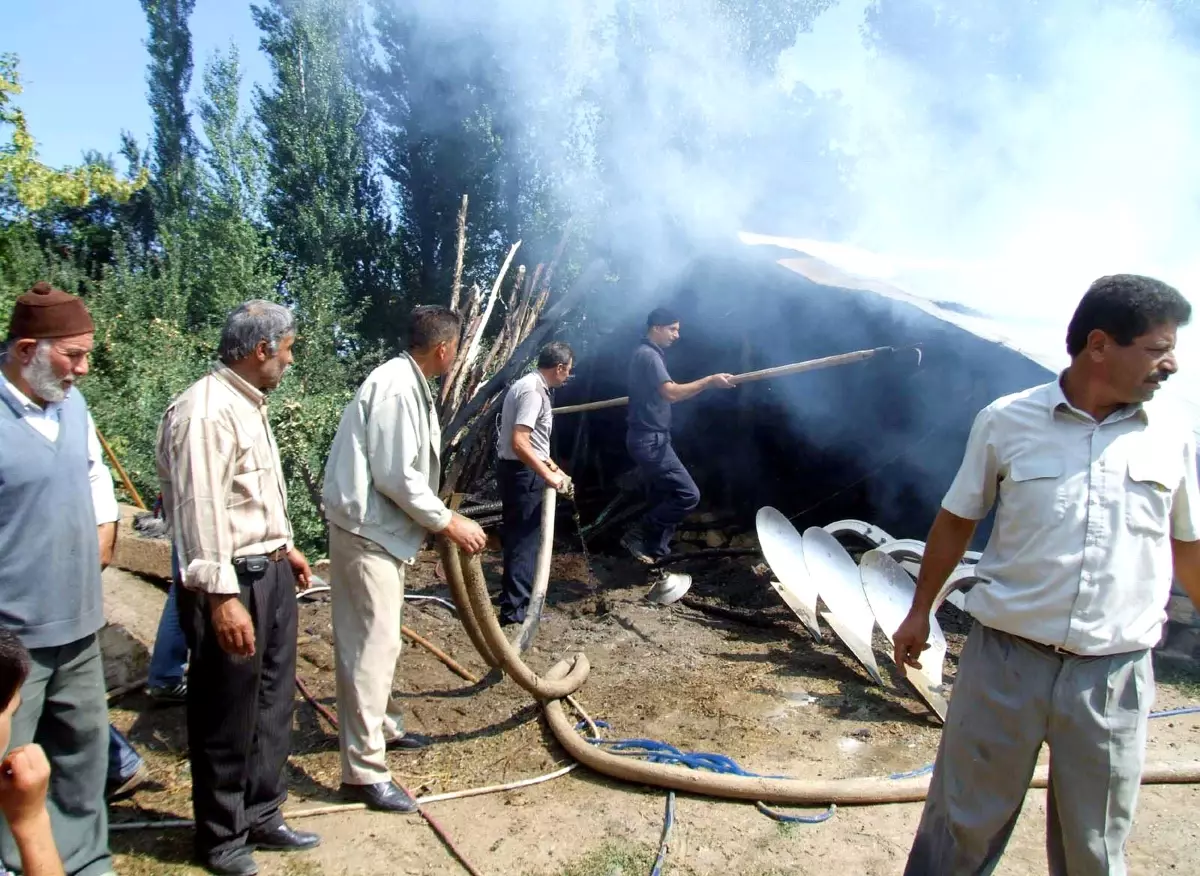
{"x":381,"y":499}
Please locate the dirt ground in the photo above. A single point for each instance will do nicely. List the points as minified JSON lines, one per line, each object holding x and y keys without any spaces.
{"x":746,"y":681}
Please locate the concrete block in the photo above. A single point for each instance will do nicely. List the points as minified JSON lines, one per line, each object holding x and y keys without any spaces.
{"x":138,"y":554}
{"x":1181,"y":611}
{"x":126,"y":659}
{"x":132,"y":608}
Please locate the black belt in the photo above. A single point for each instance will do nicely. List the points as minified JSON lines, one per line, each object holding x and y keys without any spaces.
{"x":257,"y":563}
{"x":1048,"y":649}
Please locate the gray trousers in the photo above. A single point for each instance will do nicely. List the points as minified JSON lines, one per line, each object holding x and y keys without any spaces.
{"x":1011,"y":696}
{"x":64,"y":710}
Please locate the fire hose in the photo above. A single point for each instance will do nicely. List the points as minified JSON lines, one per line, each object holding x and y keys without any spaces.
{"x":468,"y":588}
{"x":471,"y":601}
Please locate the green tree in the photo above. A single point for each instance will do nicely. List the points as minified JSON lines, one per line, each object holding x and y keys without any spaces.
{"x":324,"y":203}
{"x":234,"y":261}
{"x":453,"y":122}
{"x":169,"y":77}
{"x":25,"y":182}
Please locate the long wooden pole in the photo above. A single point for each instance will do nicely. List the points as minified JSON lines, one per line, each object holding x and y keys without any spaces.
{"x":751,"y":376}
{"x":112,"y":457}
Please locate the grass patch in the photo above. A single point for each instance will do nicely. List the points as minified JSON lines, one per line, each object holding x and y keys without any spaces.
{"x":299,"y":866}
{"x":149,"y":865}
{"x":1182,"y":676}
{"x":614,"y":858}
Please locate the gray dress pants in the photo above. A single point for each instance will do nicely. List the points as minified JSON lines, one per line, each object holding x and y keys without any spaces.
{"x":64,"y":709}
{"x":1011,"y":696}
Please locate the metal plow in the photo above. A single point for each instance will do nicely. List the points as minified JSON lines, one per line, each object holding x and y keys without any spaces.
{"x":840,"y":588}
{"x":890,"y":591}
{"x":857,"y":596}
{"x":783,"y":548}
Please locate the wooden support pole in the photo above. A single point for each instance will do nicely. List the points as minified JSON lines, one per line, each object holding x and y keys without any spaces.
{"x":751,"y":376}
{"x":112,"y":457}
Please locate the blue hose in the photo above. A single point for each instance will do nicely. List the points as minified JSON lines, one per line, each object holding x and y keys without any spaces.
{"x":795,"y":819}
{"x":1171,"y":713}
{"x":662,"y":752}
{"x":668,"y":823}
{"x":912,"y":774}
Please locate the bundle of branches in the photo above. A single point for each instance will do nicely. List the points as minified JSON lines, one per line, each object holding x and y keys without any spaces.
{"x":472,"y":392}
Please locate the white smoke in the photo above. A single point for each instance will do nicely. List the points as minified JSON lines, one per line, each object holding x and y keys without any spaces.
{"x":996,"y":154}
{"x":1078,"y":163}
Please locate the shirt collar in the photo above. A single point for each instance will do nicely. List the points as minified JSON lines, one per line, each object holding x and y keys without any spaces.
{"x":653,"y":346}
{"x":1056,"y":400}
{"x":235,"y":381}
{"x":426,"y":392}
{"x":24,"y":401}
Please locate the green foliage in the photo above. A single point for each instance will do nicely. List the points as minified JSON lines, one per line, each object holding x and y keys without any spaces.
{"x":323,"y":204}
{"x":144,"y":357}
{"x":170,"y":75}
{"x":31,"y":185}
{"x":338,"y":193}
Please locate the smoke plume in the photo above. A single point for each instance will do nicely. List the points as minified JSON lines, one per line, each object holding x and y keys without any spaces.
{"x":995,"y":153}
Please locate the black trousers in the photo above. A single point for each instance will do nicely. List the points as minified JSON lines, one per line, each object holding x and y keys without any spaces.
{"x":239,"y":712}
{"x":521,"y":492}
{"x":672,"y":492}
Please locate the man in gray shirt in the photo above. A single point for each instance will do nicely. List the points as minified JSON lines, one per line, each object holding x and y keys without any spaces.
{"x":525,"y":469}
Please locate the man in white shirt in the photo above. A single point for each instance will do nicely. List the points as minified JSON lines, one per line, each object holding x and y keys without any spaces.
{"x":381,"y":499}
{"x":1097,"y":503}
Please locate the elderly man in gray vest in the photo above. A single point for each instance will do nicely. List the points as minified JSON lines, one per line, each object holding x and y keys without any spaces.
{"x":226,"y":506}
{"x":381,"y":499}
{"x":50,"y":592}
{"x":1097,"y":503}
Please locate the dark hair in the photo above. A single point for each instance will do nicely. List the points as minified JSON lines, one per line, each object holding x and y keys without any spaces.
{"x":14,"y":666}
{"x":1125,"y":306}
{"x":431,"y":325}
{"x":554,"y":354}
{"x":661,"y":316}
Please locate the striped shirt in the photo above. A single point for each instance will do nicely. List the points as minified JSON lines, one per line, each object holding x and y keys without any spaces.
{"x":222,"y":483}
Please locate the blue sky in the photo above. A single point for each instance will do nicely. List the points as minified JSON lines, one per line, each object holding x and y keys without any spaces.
{"x":83,"y":65}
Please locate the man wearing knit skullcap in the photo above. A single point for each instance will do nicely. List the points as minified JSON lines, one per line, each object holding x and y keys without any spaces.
{"x":55,"y":496}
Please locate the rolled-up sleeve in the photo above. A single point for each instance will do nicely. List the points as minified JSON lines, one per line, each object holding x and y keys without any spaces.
{"x":202,"y":454}
{"x":973,"y":491}
{"x":1185,"y":506}
{"x":393,"y":444}
{"x":104,"y":499}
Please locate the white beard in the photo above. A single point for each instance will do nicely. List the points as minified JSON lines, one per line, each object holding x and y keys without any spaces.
{"x":39,"y":374}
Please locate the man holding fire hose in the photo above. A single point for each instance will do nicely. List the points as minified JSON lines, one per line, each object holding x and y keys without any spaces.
{"x":1097,"y":503}
{"x":381,"y":499}
{"x":524,"y":470}
{"x":673,"y":493}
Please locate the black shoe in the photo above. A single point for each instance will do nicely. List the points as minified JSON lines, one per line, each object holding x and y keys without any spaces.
{"x":409,"y":742}
{"x":283,"y":839}
{"x":168,"y":695}
{"x":238,"y":862}
{"x":632,"y":542}
{"x":384,"y":797}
